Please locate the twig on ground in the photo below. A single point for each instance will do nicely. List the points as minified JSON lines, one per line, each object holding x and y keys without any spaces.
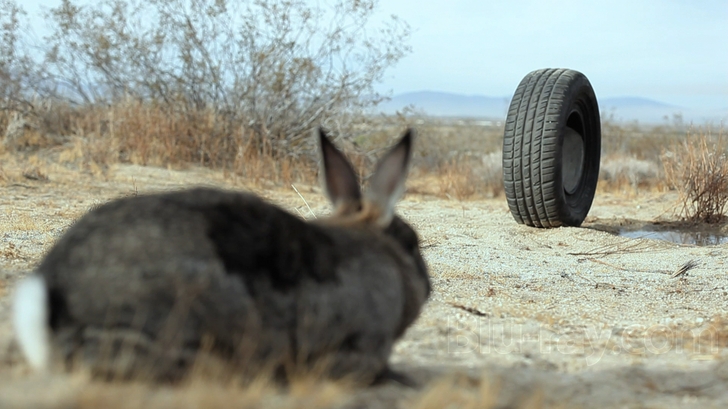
{"x":683,"y":270}
{"x":305,"y":202}
{"x":608,"y":264}
{"x":470,"y":310}
{"x":631,"y":247}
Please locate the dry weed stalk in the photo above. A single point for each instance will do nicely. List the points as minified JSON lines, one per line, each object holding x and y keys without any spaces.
{"x":698,"y":169}
{"x":689,"y":265}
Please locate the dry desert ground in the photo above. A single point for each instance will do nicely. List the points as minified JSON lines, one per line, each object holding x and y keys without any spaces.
{"x":519,"y":317}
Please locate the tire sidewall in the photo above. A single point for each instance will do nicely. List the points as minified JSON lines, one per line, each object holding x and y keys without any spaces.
{"x":580,"y":101}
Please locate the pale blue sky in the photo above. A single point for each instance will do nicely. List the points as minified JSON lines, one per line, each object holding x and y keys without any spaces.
{"x":674,"y":51}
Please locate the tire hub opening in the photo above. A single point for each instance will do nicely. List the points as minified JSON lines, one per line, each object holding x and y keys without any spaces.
{"x":572,"y":159}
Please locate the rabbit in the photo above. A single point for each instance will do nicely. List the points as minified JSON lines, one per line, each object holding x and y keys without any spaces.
{"x":140,"y":286}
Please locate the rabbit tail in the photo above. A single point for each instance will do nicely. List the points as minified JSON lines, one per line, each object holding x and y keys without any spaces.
{"x":30,"y":318}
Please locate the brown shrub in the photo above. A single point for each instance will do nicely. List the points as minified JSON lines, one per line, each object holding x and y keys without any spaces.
{"x":697,"y":168}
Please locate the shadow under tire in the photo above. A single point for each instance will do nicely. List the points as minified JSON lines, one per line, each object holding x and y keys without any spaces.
{"x":551,"y":148}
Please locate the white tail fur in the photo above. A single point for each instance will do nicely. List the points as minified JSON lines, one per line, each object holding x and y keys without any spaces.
{"x":30,"y":318}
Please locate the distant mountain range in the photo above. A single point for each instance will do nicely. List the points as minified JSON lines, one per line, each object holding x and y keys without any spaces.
{"x":623,"y":109}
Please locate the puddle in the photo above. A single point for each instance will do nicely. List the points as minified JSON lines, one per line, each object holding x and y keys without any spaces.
{"x":680,"y":236}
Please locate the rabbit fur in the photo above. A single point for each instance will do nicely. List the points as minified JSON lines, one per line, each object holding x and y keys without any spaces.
{"x":141,"y":285}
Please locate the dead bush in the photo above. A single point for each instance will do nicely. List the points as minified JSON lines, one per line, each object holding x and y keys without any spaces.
{"x":697,"y":168}
{"x":278,"y":68}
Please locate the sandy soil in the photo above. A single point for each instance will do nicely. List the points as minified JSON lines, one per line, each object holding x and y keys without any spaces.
{"x":568,"y":317}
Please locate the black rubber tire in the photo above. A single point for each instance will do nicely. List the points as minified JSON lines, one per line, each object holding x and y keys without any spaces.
{"x":545,"y":186}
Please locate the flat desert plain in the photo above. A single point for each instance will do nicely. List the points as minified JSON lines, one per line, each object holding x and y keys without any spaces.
{"x":519,"y":317}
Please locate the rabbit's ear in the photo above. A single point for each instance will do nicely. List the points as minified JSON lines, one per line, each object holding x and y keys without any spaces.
{"x":386,"y":185}
{"x":338,"y":177}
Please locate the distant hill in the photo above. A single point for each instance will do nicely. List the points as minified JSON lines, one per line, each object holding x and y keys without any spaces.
{"x":641,"y":109}
{"x":627,"y":109}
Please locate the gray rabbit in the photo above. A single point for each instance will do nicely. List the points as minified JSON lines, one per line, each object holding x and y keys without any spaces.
{"x":142,"y":285}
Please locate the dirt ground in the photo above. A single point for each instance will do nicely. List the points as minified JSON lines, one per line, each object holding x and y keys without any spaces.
{"x":568,"y":317}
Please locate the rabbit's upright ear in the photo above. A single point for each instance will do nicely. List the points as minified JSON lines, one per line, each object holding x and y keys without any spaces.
{"x":388,"y":181}
{"x":338,"y":178}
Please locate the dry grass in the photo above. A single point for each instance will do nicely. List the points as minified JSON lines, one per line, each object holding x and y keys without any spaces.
{"x":454,"y":391}
{"x":458,"y":159}
{"x":621,"y":172}
{"x":697,"y":168}
{"x":10,"y":251}
{"x":211,"y":385}
{"x":457,"y":391}
{"x":463,"y":156}
{"x":203,"y":394}
{"x":79,"y":392}
{"x":92,"y":138}
{"x":642,"y":142}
